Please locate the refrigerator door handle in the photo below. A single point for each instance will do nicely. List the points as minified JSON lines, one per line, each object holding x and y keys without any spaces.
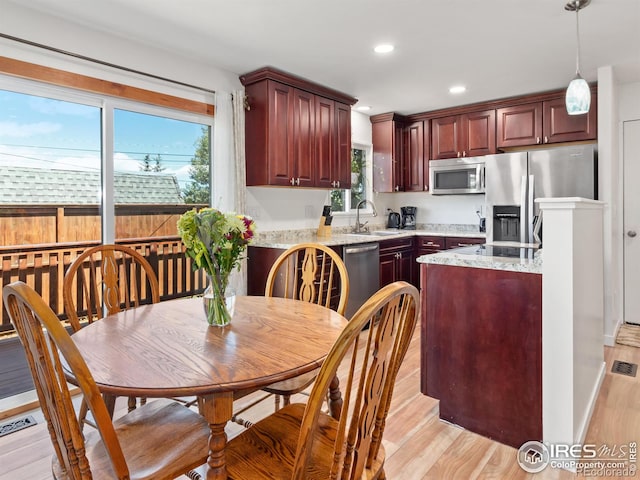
{"x":531,"y":205}
{"x":523,"y":209}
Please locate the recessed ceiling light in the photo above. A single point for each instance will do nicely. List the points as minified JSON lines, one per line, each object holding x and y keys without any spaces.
{"x":458,"y":89}
{"x":384,"y":48}
{"x":363,"y":108}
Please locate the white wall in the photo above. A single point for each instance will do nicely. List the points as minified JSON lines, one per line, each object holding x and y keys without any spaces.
{"x":572,"y":316}
{"x":617,"y":102}
{"x":55,"y":32}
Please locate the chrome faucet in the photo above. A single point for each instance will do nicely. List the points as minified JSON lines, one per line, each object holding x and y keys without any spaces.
{"x":360,"y":227}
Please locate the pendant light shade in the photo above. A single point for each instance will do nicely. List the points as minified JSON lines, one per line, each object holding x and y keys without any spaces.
{"x":578,"y":96}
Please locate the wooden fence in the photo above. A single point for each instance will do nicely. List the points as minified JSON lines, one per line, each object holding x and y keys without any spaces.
{"x":37,"y":224}
{"x":43,"y":267}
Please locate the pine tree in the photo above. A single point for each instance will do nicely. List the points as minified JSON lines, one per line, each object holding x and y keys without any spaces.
{"x":199,"y":189}
{"x":146,"y":166}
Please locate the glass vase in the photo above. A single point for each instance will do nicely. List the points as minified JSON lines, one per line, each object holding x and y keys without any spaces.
{"x":219,"y":301}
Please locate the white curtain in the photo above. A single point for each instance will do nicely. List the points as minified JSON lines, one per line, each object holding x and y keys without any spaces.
{"x":223,"y":155}
{"x":229,"y":166}
{"x":240,"y":180}
{"x":239,"y":158}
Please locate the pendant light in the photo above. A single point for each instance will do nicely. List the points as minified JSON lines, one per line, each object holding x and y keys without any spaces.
{"x":578,"y":96}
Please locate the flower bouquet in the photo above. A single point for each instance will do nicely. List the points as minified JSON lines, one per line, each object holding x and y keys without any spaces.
{"x":216,"y":241}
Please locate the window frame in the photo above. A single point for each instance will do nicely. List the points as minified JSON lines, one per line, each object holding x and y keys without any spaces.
{"x":107,"y":105}
{"x":351,"y":211}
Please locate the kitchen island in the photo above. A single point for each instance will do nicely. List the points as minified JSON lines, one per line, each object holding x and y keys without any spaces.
{"x":514,"y":347}
{"x":481,"y":331}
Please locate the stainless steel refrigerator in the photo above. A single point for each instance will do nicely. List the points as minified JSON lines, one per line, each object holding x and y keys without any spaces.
{"x":515,"y":180}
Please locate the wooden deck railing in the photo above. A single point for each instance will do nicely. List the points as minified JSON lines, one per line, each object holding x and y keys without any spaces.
{"x":43,"y":267}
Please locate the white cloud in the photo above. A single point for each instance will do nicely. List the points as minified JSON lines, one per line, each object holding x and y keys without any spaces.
{"x":37,"y":158}
{"x":48,"y":106}
{"x":13,"y":129}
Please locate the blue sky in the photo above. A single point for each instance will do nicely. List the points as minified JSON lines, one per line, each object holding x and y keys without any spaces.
{"x":45,"y":133}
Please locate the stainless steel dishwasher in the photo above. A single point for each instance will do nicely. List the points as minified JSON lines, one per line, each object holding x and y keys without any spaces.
{"x":363,"y":266}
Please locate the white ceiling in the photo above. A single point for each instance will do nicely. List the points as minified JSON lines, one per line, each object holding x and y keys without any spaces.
{"x":497,"y":48}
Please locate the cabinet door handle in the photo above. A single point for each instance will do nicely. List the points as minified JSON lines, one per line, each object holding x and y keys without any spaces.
{"x":338,"y":183}
{"x":458,"y":154}
{"x":298,"y":181}
{"x":397,"y":188}
{"x":537,"y":139}
{"x":546,"y":139}
{"x":464,"y":153}
{"x":292,"y":181}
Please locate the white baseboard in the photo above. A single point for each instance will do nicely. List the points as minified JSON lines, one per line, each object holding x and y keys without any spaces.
{"x":584,"y":425}
{"x":610,"y":340}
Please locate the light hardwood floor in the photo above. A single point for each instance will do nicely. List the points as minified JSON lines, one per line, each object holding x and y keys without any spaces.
{"x":419,"y":445}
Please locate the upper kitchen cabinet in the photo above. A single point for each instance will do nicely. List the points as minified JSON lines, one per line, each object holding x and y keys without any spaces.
{"x":297,"y":133}
{"x":416,"y":156}
{"x":545,"y":122}
{"x":388,"y":152}
{"x":465,"y":135}
{"x":559,"y":126}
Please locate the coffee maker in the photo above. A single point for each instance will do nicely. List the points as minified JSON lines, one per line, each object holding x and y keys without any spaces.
{"x":408,"y":217}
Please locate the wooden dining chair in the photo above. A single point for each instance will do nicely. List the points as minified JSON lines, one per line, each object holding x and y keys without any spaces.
{"x":314,"y":273}
{"x":160,"y":440}
{"x":104,"y":280}
{"x":301,"y":442}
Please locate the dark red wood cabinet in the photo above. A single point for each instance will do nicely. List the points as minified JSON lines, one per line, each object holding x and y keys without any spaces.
{"x":397,"y":259}
{"x":466,"y":135}
{"x":387,"y":134}
{"x":519,"y":125}
{"x":298,"y":133}
{"x":416,"y":156}
{"x":559,"y":126}
{"x":457,"y":242}
{"x":545,"y":122}
{"x":481,"y":349}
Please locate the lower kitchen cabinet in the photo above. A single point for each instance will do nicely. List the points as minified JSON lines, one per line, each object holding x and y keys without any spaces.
{"x":397,"y":260}
{"x":457,"y":242}
{"x":481,"y":353}
{"x":259,"y":262}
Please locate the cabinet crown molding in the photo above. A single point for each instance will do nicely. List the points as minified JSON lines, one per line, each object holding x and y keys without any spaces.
{"x":475,"y":107}
{"x":271,"y":73}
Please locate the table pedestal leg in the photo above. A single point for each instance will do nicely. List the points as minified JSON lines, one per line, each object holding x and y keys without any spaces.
{"x":217,"y":409}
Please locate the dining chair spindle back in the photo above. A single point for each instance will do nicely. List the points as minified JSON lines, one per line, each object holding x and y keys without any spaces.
{"x":301,"y":442}
{"x":134,"y":446}
{"x":104,"y":280}
{"x":107,"y":279}
{"x":314,"y":273}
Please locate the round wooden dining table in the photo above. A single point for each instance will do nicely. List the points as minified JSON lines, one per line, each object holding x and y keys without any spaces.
{"x":168,"y":350}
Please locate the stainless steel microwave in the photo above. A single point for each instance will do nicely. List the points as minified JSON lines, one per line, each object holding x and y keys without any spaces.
{"x":456,"y":176}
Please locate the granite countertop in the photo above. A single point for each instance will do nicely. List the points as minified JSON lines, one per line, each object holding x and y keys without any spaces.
{"x":343,"y":236}
{"x":450,"y":257}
